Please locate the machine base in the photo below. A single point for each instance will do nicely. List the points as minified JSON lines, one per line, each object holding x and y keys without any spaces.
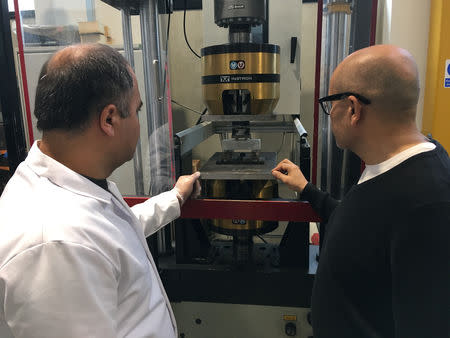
{"x":206,"y":320}
{"x":262,"y":284}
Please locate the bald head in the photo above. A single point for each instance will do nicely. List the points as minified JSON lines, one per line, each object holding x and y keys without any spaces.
{"x":71,"y":54}
{"x":77,"y":82}
{"x":387,"y":75}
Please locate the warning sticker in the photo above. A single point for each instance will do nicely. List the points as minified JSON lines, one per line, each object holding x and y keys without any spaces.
{"x":447,"y":74}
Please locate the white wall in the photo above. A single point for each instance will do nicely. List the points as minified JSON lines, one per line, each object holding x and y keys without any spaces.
{"x":405,"y":23}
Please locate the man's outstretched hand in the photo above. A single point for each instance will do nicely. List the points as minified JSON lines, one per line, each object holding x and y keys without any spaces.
{"x":290,"y":174}
{"x":188,"y":186}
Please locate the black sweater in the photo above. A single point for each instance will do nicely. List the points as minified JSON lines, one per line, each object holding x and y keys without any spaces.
{"x":384,"y":268}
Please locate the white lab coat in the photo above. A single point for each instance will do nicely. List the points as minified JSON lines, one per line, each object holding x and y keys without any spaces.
{"x":73,"y":257}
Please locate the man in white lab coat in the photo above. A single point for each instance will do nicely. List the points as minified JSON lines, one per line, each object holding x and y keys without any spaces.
{"x":73,"y":257}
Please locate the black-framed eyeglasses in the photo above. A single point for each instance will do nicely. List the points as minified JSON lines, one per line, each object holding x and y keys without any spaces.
{"x":326,"y":101}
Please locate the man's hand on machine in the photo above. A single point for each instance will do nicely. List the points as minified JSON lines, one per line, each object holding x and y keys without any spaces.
{"x":290,"y":174}
{"x":187,"y":186}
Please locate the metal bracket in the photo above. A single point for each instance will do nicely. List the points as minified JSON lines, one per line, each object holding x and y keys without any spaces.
{"x":189,"y":138}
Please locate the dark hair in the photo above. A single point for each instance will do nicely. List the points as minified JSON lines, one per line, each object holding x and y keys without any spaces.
{"x":75,"y":88}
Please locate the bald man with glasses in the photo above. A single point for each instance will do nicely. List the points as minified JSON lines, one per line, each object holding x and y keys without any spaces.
{"x":384,"y":267}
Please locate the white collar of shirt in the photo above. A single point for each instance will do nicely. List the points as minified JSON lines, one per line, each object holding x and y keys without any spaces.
{"x":59,"y":174}
{"x":374,"y":170}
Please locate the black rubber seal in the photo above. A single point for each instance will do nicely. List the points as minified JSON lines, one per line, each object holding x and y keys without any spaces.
{"x":241,"y":48}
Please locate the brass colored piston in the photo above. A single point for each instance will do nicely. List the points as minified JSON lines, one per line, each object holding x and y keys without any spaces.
{"x":241,"y":78}
{"x":237,"y":189}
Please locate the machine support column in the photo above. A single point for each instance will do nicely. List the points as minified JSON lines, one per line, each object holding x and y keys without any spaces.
{"x":129,"y":54}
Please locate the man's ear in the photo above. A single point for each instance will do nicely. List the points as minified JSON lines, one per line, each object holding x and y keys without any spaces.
{"x":109,"y":118}
{"x":356,"y":108}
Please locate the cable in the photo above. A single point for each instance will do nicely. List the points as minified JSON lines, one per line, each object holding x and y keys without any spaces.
{"x":184,"y":30}
{"x":260,"y":237}
{"x":186,"y":107}
{"x":201,"y":115}
{"x":282,"y":142}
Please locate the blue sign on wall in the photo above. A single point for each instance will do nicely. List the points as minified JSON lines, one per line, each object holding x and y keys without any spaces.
{"x":447,"y":74}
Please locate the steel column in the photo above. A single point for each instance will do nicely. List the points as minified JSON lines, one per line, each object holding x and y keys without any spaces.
{"x":129,"y":54}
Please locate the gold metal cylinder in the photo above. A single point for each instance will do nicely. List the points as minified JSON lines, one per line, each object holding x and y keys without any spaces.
{"x":260,"y":189}
{"x":257,"y":72}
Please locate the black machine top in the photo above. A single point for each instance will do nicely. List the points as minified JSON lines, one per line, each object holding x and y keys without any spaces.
{"x":132,"y":5}
{"x":241,"y":48}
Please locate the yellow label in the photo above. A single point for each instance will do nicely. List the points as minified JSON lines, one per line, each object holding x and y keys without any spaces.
{"x":290,"y":318}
